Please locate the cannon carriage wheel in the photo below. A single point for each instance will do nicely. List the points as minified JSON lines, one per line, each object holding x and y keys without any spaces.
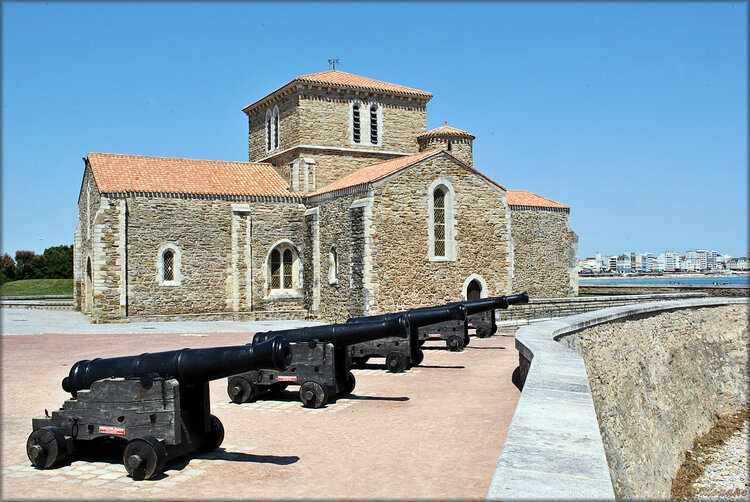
{"x":241,"y":389}
{"x":349,"y":384}
{"x":419,"y":358}
{"x":313,"y":394}
{"x":214,"y":437}
{"x":455,"y":343}
{"x":483,"y":330}
{"x":395,"y":362}
{"x":46,"y":447}
{"x":144,"y":457}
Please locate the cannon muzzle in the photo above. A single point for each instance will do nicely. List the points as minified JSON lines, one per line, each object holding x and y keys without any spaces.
{"x":422,"y":316}
{"x":188,"y":366}
{"x":496,"y":302}
{"x":344,"y":334}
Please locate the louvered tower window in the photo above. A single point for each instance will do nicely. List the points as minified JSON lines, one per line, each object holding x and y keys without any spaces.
{"x":439,"y":221}
{"x":276,"y":129}
{"x":374,"y":124}
{"x":268,"y":130}
{"x":355,"y":123}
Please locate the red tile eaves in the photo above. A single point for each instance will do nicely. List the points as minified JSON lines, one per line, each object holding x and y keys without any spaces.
{"x":116,"y":173}
{"x":530,"y":199}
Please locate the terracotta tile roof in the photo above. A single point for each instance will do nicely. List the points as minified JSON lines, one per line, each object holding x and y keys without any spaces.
{"x":376,"y":171}
{"x":115,"y":173}
{"x":446,"y":130}
{"x":524,"y":198}
{"x":348,"y":80}
{"x":343,"y":79}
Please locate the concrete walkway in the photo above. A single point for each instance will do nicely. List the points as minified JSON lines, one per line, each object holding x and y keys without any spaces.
{"x":39,"y":322}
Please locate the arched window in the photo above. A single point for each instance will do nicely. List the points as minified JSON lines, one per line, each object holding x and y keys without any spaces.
{"x":268,"y":130}
{"x":284,"y":268}
{"x":275,"y":127}
{"x":168,"y":260}
{"x":275,"y":272}
{"x":88,"y":269}
{"x":438,"y":221}
{"x":450,"y":146}
{"x":440,"y":231}
{"x":286,"y":260}
{"x":374,"y":124}
{"x":356,"y":128}
{"x":333,"y":266}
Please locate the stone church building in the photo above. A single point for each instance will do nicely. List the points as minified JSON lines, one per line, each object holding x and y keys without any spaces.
{"x":348,"y":206}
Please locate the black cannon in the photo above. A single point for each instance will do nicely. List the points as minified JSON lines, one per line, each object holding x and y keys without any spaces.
{"x":320,"y":361}
{"x":157,"y":404}
{"x":482,"y":312}
{"x":399,"y":354}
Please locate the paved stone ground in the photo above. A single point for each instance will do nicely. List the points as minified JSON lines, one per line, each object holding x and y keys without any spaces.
{"x":434,"y":432}
{"x":726,"y":475}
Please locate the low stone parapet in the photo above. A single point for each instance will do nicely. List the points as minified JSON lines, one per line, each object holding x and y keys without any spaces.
{"x":638,"y":289}
{"x":610,"y":409}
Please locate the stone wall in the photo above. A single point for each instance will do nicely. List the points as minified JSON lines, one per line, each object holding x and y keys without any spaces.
{"x":88,"y":206}
{"x":289,"y":127}
{"x":544,"y":252}
{"x":221,"y":249}
{"x":330,"y":164}
{"x":640,"y":289}
{"x":403,"y":276}
{"x":460,"y":147}
{"x":327,"y":119}
{"x":659,"y":380}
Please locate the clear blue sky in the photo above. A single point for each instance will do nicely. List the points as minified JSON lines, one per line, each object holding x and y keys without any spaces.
{"x":634,"y":114}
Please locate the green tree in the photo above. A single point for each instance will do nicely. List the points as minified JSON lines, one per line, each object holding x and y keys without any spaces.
{"x":59,"y":262}
{"x":29,"y":265}
{"x":7,"y":269}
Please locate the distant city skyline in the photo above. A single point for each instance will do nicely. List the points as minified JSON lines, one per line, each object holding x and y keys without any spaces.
{"x":633,"y":114}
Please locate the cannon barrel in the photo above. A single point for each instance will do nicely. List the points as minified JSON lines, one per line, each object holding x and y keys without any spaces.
{"x":496,"y":302}
{"x":188,"y":366}
{"x":422,"y":316}
{"x":344,"y":334}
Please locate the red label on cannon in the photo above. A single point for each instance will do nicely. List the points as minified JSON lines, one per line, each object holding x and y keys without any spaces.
{"x":109,"y":429}
{"x":433,"y":335}
{"x":286,"y":378}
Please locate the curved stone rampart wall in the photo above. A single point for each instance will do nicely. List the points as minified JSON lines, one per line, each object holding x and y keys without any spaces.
{"x":617,"y":419}
{"x":659,"y":380}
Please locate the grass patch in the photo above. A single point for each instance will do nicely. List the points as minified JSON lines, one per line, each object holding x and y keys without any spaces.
{"x":37,"y":287}
{"x":691,"y":469}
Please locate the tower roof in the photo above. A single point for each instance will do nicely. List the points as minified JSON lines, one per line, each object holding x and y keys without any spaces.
{"x":340,"y":79}
{"x":446,"y":131}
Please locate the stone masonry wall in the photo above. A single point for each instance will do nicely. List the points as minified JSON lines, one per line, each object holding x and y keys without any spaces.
{"x":212,"y":240}
{"x":335,"y":228}
{"x":461,"y":147}
{"x":658,"y":381}
{"x":544,"y":253}
{"x":88,"y":205}
{"x":108,"y":260}
{"x":289,"y":128}
{"x":326,"y":120}
{"x":330,"y":165}
{"x":402,"y":275}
